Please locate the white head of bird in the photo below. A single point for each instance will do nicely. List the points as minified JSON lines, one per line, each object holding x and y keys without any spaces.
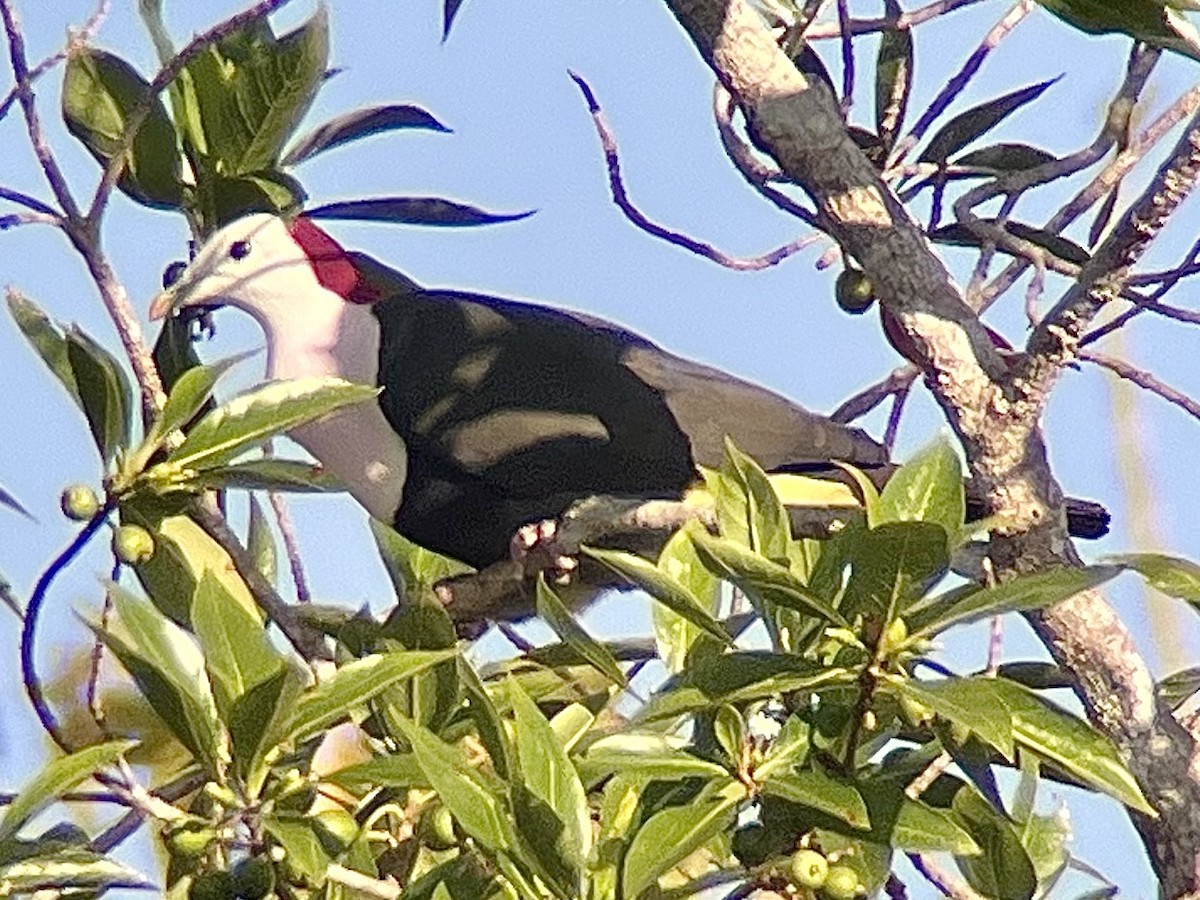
{"x":315,"y":311}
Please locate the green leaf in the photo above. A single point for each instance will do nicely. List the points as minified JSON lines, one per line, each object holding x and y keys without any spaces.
{"x":262,"y":475}
{"x":816,"y":790}
{"x":267,"y":191}
{"x":1152,"y":21}
{"x":396,"y":770}
{"x":551,"y":777}
{"x":892,"y":566}
{"x":729,"y":729}
{"x":1069,"y":742}
{"x":412,"y":568}
{"x":151,"y":13}
{"x":676,"y":638}
{"x":968,"y":702}
{"x":353,"y":685}
{"x":767,"y":525}
{"x":480,"y":811}
{"x":959,"y":234}
{"x":1175,"y":577}
{"x":358,"y":124}
{"x":169,"y":671}
{"x":69,"y":872}
{"x":104,"y":392}
{"x":927,"y":488}
{"x":893,"y":77}
{"x":191,"y":390}
{"x":788,"y":750}
{"x":251,"y":418}
{"x":763,"y":581}
{"x":304,"y":853}
{"x":46,"y":339}
{"x":662,"y":587}
{"x":237,"y":651}
{"x":434,"y":211}
{"x":1002,"y":158}
{"x":260,"y":543}
{"x":1023,"y":593}
{"x":910,"y":825}
{"x":492,"y":731}
{"x":551,"y":608}
{"x":1179,"y":686}
{"x":977,"y":121}
{"x":1003,"y":870}
{"x":100,"y":90}
{"x":55,"y":779}
{"x":649,"y":755}
{"x":253,"y":89}
{"x":257,"y":714}
{"x":674,"y":833}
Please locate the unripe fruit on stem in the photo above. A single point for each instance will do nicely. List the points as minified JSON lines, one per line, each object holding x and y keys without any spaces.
{"x":854,"y":291}
{"x":842,"y":884}
{"x":133,"y":544}
{"x":190,"y":840}
{"x":809,"y":869}
{"x":79,"y":502}
{"x":211,"y":886}
{"x":253,"y":878}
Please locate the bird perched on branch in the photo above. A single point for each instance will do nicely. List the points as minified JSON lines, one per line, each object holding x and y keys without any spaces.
{"x":493,"y":413}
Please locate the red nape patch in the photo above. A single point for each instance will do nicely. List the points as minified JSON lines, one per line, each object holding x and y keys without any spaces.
{"x":331,"y":264}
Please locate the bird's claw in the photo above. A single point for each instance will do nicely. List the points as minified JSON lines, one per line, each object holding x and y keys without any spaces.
{"x":537,"y":548}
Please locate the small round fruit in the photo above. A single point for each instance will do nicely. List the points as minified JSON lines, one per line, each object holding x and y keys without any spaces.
{"x":854,"y":291}
{"x":840,"y":884}
{"x":809,"y":869}
{"x":253,"y":878}
{"x":190,"y":840}
{"x":133,"y":544}
{"x":79,"y":502}
{"x":437,"y":828}
{"x":211,"y":886}
{"x":335,"y":829}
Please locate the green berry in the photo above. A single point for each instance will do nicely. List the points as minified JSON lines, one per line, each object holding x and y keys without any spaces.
{"x":841,"y":884}
{"x":79,"y":502}
{"x":809,"y":869}
{"x":854,"y":291}
{"x":437,"y":828}
{"x":133,"y":544}
{"x":189,"y":840}
{"x":211,"y":886}
{"x":335,"y":829}
{"x":253,"y":878}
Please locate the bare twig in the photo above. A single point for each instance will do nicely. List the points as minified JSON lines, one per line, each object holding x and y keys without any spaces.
{"x":700,"y":248}
{"x":945,"y":881}
{"x":97,"y":657}
{"x":132,"y":820}
{"x":1143,"y":379}
{"x":76,"y":39}
{"x":867,"y":399}
{"x":291,"y":546}
{"x":903,"y":22}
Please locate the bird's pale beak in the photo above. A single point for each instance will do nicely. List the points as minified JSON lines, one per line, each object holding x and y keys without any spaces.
{"x":163,"y":305}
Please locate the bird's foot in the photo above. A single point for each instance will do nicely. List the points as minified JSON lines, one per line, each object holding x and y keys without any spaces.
{"x":538,"y":548}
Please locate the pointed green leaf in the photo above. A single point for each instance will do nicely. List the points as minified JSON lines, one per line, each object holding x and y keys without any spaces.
{"x":551,"y":777}
{"x":1175,"y":577}
{"x":191,"y":391}
{"x":46,"y":339}
{"x":237,"y":651}
{"x":958,"y":234}
{"x":260,"y":543}
{"x":263,"y":475}
{"x":676,"y":638}
{"x":358,"y":124}
{"x":673,"y":833}
{"x":927,"y":488}
{"x":649,"y":755}
{"x":661,"y":586}
{"x":479,"y":810}
{"x":492,"y":732}
{"x":551,"y":608}
{"x":104,"y":392}
{"x":892,"y":566}
{"x":412,"y":568}
{"x":302,"y":848}
{"x":433,"y":211}
{"x":251,"y":418}
{"x":967,"y":702}
{"x":767,"y":524}
{"x":967,"y":126}
{"x":759,"y":578}
{"x":69,"y":872}
{"x":893,"y":77}
{"x":56,"y":778}
{"x":100,"y":90}
{"x":1002,"y":158}
{"x":256,"y":716}
{"x":1023,"y":593}
{"x":816,"y":790}
{"x":353,"y":685}
{"x":1003,"y":869}
{"x":169,"y":671}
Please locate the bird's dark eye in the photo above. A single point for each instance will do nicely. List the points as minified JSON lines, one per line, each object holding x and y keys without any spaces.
{"x":172,"y":272}
{"x":239,"y":249}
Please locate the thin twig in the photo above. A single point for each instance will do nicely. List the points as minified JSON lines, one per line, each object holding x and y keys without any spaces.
{"x":1142,"y":379}
{"x":948,"y":883}
{"x":904,"y":22}
{"x":700,"y":248}
{"x":868,"y":398}
{"x":132,"y":820}
{"x":846,"y":42}
{"x":291,"y":546}
{"x":97,"y":657}
{"x":29,"y":202}
{"x":33,"y":684}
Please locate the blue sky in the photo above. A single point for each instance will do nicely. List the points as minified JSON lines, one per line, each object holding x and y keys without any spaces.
{"x":522,"y":139}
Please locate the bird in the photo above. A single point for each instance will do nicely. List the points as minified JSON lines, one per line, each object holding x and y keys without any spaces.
{"x":493,"y":413}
